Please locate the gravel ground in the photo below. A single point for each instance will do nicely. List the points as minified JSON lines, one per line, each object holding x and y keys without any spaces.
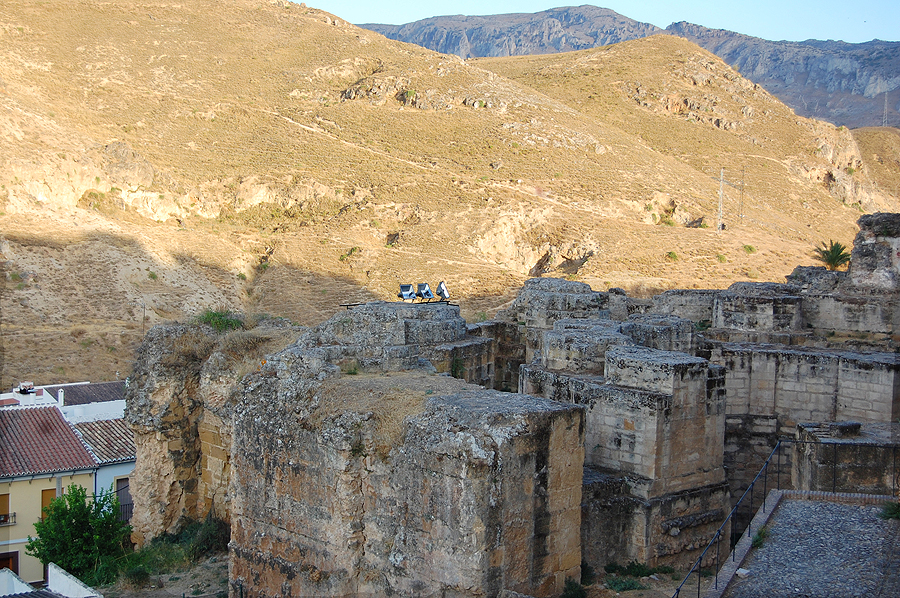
{"x":819,"y":549}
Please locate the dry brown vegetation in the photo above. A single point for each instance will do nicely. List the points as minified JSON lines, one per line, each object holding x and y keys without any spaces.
{"x":160,"y":159}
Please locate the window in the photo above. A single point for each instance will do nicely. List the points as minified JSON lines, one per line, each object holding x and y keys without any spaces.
{"x":47,"y":497}
{"x":10,"y":560}
{"x":6,"y":518}
{"x":126,"y":504}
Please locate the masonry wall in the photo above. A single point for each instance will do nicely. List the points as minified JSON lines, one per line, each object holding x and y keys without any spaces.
{"x":773,"y":308}
{"x":869,"y":314}
{"x":470,"y":359}
{"x":772,"y":389}
{"x":621,"y":424}
{"x":692,"y":304}
{"x":215,"y":465}
{"x":672,"y":529}
{"x":484,"y":494}
{"x":824,"y":459}
{"x":808,"y":385}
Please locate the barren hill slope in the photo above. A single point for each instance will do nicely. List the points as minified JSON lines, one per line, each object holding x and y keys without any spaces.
{"x":162,"y":158}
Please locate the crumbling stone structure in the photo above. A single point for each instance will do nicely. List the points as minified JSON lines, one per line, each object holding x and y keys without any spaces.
{"x":655,"y":487}
{"x":847,"y":456}
{"x":355,"y":468}
{"x":349,"y":466}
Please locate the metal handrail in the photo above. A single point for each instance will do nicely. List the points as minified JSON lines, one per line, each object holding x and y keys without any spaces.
{"x":895,"y":481}
{"x":716,"y":538}
{"x":7,"y":518}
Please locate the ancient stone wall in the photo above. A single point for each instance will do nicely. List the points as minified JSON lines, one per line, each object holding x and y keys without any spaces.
{"x":798,"y":384}
{"x":481,"y":493}
{"x":653,"y":435}
{"x":616,"y":523}
{"x":875,"y":259}
{"x":692,"y":304}
{"x":182,"y":391}
{"x":771,"y":389}
{"x":164,"y":409}
{"x":537,"y":307}
{"x":765,"y":307}
{"x":874,"y":315}
{"x":847,"y":457}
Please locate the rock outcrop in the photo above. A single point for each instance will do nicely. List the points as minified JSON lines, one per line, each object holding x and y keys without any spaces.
{"x":829,"y":80}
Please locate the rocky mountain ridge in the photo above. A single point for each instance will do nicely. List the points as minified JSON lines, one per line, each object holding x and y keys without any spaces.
{"x":830,"y":80}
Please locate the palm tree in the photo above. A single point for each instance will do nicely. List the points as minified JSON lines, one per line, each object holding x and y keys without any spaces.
{"x":834,"y":255}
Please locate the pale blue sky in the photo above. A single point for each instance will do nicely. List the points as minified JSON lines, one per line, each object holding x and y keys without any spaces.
{"x":850,"y":21}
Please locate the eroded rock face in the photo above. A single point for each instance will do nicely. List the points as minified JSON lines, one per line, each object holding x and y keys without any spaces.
{"x":480,"y":491}
{"x":875,"y":259}
{"x":179,"y":402}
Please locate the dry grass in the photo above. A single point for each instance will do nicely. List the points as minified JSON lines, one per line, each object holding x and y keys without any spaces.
{"x":390,"y":398}
{"x":231,"y":118}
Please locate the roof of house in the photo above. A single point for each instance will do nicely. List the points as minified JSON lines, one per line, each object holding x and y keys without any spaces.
{"x":38,"y":440}
{"x":82,"y":394}
{"x":111,"y":440}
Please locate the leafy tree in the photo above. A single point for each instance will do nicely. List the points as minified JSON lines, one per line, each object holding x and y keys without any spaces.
{"x":77,"y":534}
{"x":834,"y":255}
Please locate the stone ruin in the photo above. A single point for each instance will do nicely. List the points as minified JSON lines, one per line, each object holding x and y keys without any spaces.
{"x":394,"y":449}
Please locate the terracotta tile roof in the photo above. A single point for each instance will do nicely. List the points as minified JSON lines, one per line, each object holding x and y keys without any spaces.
{"x":82,"y":394}
{"x":38,"y":440}
{"x":111,"y":440}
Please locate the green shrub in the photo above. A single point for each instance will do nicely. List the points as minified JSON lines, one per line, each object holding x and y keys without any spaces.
{"x":749,"y":249}
{"x":457,"y":368}
{"x":137,"y":576}
{"x":722,"y":259}
{"x":759,"y":538}
{"x":152,"y":275}
{"x":80,"y":536}
{"x":212,"y":536}
{"x":221,"y":321}
{"x":834,"y":255}
{"x":350,"y":253}
{"x":573,"y":589}
{"x":890,"y":510}
{"x":672,"y":256}
{"x":636,"y":569}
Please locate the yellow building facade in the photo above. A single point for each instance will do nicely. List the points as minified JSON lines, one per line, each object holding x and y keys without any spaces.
{"x":40,"y":456}
{"x":23,"y":500}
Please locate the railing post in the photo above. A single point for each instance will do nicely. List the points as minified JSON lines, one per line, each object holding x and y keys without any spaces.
{"x":699,"y":577}
{"x":718,"y":541}
{"x":778,"y":470}
{"x":834,"y":469}
{"x":894,"y":470}
{"x":750,"y":519}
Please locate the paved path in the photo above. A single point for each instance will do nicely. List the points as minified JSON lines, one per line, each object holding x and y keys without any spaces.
{"x":820,"y":549}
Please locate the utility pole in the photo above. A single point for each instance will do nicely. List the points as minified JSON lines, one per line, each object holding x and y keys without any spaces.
{"x":884,"y":118}
{"x":721,"y":184}
{"x":742,"y":195}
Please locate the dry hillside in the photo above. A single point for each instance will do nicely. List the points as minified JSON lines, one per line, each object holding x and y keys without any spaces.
{"x":161,"y":158}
